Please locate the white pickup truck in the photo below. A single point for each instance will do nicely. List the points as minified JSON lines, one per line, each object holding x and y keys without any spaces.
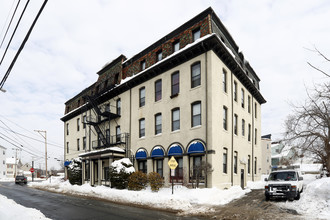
{"x":284,"y":184}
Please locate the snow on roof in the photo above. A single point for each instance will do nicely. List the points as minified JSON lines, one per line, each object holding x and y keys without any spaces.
{"x":310,"y":167}
{"x":10,"y":160}
{"x":117,"y":149}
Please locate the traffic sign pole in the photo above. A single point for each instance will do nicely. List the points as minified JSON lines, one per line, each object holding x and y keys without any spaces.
{"x":172,"y":164}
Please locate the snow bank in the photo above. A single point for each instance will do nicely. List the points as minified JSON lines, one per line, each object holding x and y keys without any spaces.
{"x":314,"y":202}
{"x":9,"y":209}
{"x":184,"y":200}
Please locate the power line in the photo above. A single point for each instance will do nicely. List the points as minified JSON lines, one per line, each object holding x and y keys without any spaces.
{"x":33,"y":133}
{"x":32,"y":138}
{"x":22,"y":45}
{"x":10,"y":23}
{"x":13,"y":34}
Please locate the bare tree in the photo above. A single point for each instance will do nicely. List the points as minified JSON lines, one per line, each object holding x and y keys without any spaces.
{"x":324,"y":57}
{"x":308,"y":128}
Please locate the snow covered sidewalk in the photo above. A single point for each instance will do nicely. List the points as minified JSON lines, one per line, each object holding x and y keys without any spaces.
{"x":184,"y":200}
{"x":9,"y":209}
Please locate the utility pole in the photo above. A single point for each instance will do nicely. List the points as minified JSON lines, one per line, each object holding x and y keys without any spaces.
{"x":15,"y":163}
{"x":45,"y":137}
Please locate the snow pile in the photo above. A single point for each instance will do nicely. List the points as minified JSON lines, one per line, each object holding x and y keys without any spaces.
{"x":184,"y":200}
{"x":9,"y":209}
{"x":314,"y":202}
{"x":119,"y":164}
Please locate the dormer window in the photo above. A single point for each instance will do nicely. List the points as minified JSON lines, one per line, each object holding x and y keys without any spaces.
{"x":159,"y":55}
{"x":176,"y":46}
{"x":196,"y":34}
{"x":143,"y":65}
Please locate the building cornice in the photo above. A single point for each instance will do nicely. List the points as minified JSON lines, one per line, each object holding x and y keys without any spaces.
{"x":210,"y":42}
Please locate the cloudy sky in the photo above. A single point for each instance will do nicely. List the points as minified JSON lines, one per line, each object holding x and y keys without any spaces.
{"x":73,"y":39}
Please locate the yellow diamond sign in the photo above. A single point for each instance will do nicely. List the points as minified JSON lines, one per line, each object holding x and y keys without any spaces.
{"x":172,"y":163}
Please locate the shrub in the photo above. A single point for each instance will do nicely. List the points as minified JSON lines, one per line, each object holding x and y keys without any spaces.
{"x":155,"y":181}
{"x":137,"y":181}
{"x":74,"y":172}
{"x":119,"y":171}
{"x":118,"y":180}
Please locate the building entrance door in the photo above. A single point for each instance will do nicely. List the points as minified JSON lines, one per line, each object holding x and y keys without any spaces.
{"x":242,"y":178}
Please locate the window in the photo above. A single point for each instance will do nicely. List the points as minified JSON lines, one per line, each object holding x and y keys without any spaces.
{"x":224,"y":80}
{"x":142,"y":93}
{"x":67,"y":147}
{"x":243,"y":127}
{"x":255,"y":165}
{"x":158,"y":90}
{"x":249,"y":164}
{"x":235,"y":124}
{"x":158,"y":123}
{"x":116,"y":78}
{"x":159,"y":55}
{"x":197,"y":169}
{"x":78,"y":146}
{"x":224,"y":160}
{"x":235,"y":162}
{"x":195,"y":75}
{"x":249,"y":104}
{"x":225,"y":117}
{"x":142,"y":166}
{"x":84,"y":143}
{"x":175,"y":119}
{"x":249,"y":133}
{"x":118,"y":134}
{"x":67,"y":128}
{"x":118,"y":106}
{"x":107,"y":107}
{"x":196,"y":117}
{"x":196,"y":34}
{"x":84,"y":121}
{"x":3,"y":152}
{"x":242,"y":98}
{"x":141,"y":127}
{"x":176,"y":46}
{"x":235,"y":91}
{"x":175,"y":82}
{"x":255,"y":136}
{"x":255,"y":110}
{"x":107,"y":135}
{"x":159,"y":167}
{"x":143,"y":65}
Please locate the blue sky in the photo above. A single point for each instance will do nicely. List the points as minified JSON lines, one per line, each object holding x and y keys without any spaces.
{"x":73,"y":40}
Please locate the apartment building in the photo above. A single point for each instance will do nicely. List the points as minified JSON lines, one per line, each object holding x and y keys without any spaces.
{"x":266,"y":152}
{"x":2,"y":162}
{"x":190,"y":95}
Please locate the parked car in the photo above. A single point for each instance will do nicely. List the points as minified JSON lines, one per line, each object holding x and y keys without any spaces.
{"x":286,"y":184}
{"x":21,"y":179}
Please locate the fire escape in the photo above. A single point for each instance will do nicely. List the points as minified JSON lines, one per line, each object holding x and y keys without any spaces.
{"x":103,"y":115}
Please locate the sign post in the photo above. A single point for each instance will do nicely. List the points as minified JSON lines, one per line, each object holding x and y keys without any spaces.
{"x":32,"y":171}
{"x":172,"y":164}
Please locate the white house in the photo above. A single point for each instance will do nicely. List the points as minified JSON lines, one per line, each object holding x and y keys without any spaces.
{"x":2,"y":162}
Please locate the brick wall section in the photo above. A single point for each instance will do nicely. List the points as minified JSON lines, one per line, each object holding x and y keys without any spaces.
{"x":185,"y":37}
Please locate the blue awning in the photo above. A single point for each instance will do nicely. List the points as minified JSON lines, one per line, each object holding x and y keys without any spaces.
{"x":175,"y":150}
{"x":157,"y":152}
{"x":67,"y":163}
{"x":141,"y":154}
{"x":196,"y":147}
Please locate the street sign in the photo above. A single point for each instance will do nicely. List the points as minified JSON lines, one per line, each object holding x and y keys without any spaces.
{"x":172,"y":163}
{"x":31,"y":170}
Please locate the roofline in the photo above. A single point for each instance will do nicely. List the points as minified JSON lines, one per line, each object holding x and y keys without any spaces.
{"x":210,"y":43}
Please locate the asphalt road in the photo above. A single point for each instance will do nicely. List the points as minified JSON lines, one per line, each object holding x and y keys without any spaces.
{"x":59,"y":206}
